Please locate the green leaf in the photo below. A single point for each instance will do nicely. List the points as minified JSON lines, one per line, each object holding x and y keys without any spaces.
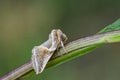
{"x":113,"y":26}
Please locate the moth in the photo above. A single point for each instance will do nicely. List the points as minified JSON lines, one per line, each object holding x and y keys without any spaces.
{"x":41,"y":54}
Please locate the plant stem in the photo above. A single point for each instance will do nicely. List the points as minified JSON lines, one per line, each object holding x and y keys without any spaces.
{"x":74,"y":49}
{"x":108,"y":37}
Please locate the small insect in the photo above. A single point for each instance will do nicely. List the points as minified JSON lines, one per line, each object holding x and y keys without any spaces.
{"x":41,"y":54}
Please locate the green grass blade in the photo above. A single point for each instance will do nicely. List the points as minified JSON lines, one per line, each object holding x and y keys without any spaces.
{"x":83,"y":51}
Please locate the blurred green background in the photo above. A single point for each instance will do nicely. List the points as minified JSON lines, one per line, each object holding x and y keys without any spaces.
{"x":26,"y":23}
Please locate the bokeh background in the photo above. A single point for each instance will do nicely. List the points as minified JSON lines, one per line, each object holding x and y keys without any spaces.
{"x":26,"y":23}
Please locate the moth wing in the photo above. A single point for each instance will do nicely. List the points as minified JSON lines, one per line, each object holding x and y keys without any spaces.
{"x":40,"y":58}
